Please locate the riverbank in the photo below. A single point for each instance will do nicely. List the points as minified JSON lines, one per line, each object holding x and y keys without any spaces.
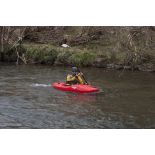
{"x":121,"y":48}
{"x":83,"y":57}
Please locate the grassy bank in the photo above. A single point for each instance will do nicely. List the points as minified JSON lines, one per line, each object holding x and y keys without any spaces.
{"x":97,"y":56}
{"x":107,"y":47}
{"x":49,"y":54}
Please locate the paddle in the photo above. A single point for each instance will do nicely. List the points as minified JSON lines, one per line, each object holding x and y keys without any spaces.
{"x":85,"y":79}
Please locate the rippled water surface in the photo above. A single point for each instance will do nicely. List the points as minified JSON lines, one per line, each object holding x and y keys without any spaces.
{"x":27,"y":99}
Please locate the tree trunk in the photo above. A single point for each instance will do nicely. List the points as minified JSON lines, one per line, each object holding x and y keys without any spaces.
{"x":2,"y":44}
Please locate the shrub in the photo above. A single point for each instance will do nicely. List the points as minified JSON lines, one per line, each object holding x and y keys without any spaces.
{"x":82,"y":59}
{"x":63,"y":57}
{"x":41,"y":54}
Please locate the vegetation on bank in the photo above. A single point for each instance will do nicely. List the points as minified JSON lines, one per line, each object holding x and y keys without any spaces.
{"x":49,"y":54}
{"x":112,"y":47}
{"x":52,"y":55}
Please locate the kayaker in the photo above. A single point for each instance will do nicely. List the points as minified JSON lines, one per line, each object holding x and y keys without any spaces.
{"x":76,"y":77}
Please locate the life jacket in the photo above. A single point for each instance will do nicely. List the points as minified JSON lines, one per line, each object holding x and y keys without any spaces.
{"x":70,"y":77}
{"x":77,"y":78}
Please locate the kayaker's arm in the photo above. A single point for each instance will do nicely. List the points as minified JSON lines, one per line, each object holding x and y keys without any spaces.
{"x":81,"y":78}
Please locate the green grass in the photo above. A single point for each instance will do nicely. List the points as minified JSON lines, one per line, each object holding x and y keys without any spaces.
{"x":84,"y":58}
{"x":40,"y":54}
{"x":82,"y":55}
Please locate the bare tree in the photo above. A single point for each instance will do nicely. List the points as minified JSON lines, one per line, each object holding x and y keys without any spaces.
{"x":12,"y":37}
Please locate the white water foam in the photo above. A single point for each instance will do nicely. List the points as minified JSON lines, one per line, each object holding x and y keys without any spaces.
{"x":40,"y":85}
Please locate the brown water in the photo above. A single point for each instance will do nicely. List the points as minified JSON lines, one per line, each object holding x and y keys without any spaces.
{"x":27,"y":99}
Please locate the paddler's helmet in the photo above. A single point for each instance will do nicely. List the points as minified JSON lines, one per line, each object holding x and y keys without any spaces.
{"x":75,"y":70}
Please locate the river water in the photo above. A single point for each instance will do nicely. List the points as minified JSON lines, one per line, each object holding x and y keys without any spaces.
{"x":27,"y":99}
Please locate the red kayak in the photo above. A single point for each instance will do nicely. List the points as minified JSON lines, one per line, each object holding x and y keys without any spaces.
{"x":78,"y":88}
